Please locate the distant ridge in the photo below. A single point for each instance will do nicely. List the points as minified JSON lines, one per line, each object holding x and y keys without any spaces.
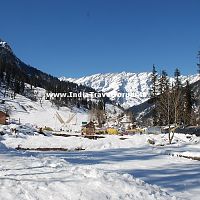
{"x":124,"y":82}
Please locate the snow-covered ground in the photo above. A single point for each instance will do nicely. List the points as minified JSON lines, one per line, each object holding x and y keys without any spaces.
{"x":112,"y":167}
{"x":105,"y":170}
{"x":37,"y":176}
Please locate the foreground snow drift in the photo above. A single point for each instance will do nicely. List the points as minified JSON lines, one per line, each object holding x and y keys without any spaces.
{"x":100,"y":172}
{"x":30,"y":178}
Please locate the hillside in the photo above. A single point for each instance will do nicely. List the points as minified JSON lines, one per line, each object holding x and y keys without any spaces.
{"x":23,"y":89}
{"x":143,"y":111}
{"x":14,"y":74}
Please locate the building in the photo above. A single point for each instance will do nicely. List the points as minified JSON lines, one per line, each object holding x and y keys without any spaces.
{"x":3,"y":117}
{"x":112,"y":131}
{"x":88,"y":129}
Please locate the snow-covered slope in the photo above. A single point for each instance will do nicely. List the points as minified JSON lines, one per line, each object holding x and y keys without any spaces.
{"x":43,"y":112}
{"x":136,"y":84}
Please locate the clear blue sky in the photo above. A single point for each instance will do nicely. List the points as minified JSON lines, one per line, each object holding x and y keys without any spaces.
{"x":74,"y":38}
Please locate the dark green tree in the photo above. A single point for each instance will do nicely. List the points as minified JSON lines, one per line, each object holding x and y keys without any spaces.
{"x":188,"y":103}
{"x":154,"y":94}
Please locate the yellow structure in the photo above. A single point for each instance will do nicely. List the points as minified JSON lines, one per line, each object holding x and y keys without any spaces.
{"x":112,"y":131}
{"x":101,"y":131}
{"x":135,"y":130}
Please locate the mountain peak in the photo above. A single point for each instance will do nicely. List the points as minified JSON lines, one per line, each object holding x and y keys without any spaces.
{"x":135,"y":84}
{"x":5,"y":45}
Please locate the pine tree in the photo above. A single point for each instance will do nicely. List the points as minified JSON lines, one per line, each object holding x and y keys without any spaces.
{"x":22,"y":87}
{"x":162,"y":102}
{"x":188,"y":103}
{"x":198,"y":64}
{"x":163,"y":82}
{"x":153,"y":94}
{"x":177,"y":75}
{"x":177,"y":98}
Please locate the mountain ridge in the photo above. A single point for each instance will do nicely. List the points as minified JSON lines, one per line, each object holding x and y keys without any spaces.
{"x":14,"y":74}
{"x":137,"y":84}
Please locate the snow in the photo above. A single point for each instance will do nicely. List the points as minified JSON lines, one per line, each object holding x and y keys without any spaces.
{"x":113,"y":167}
{"x":105,"y":170}
{"x":4,"y":44}
{"x":71,"y":143}
{"x":112,"y":83}
{"x":37,"y":176}
{"x":138,"y":84}
{"x":25,"y":111}
{"x":2,"y":146}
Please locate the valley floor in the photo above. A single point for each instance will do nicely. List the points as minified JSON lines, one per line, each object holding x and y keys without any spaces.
{"x":109,"y":168}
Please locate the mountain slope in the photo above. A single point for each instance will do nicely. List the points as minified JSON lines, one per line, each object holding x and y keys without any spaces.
{"x":31,"y":74}
{"x":14,"y":74}
{"x":23,"y":89}
{"x":143,"y":111}
{"x":136,"y":84}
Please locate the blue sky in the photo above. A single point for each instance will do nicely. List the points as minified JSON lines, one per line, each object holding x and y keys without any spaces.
{"x":74,"y":38}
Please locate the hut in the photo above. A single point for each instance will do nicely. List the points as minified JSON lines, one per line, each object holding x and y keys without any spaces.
{"x":3,"y":117}
{"x":89,"y":129}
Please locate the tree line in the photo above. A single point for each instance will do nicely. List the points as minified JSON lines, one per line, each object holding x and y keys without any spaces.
{"x":15,"y":75}
{"x":173,"y":102}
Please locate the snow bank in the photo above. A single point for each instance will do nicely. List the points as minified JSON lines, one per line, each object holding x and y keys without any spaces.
{"x":28,"y":137}
{"x":72,"y":143}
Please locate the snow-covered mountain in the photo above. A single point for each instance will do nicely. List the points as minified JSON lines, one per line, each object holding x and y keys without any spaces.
{"x":135,"y":84}
{"x":5,"y":45}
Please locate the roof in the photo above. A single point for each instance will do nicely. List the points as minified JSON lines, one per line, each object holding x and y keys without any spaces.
{"x":90,"y":125}
{"x":3,"y":110}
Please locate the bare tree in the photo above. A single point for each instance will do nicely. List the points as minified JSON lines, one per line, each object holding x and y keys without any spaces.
{"x":165,"y":110}
{"x":41,"y":99}
{"x":98,"y":115}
